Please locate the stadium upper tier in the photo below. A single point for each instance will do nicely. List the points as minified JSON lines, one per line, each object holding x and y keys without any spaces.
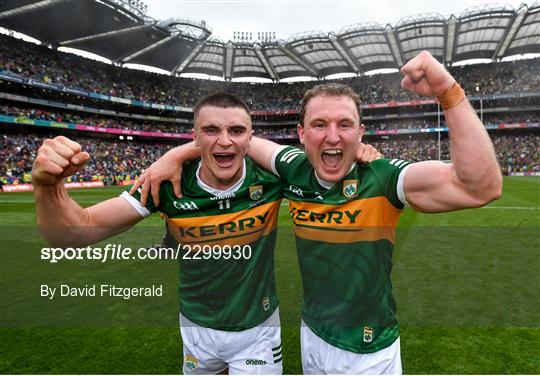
{"x":121,"y":32}
{"x":49,"y":66}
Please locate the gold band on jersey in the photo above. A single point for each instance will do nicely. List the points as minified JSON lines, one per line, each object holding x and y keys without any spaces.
{"x":242,"y":227}
{"x":367,"y":219}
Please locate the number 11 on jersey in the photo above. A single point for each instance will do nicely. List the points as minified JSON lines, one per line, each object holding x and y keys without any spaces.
{"x":224,"y":204}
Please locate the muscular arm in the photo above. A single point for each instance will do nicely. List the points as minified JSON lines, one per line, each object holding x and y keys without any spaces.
{"x":473,"y":179}
{"x":62,"y":221}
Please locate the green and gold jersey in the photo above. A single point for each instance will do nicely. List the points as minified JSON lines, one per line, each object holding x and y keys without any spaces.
{"x":344,"y":239}
{"x":227,"y":241}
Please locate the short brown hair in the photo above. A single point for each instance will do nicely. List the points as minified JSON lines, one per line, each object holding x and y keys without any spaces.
{"x":222,"y":99}
{"x":329,"y":90}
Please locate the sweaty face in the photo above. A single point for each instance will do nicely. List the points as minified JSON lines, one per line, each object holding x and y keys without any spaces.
{"x":223,"y":135}
{"x":331,"y":134}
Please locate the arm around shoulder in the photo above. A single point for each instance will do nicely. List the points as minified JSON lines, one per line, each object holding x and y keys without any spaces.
{"x":168,"y":167}
{"x":262,"y":151}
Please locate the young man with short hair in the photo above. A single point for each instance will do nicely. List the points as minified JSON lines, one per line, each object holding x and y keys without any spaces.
{"x":226,"y":224}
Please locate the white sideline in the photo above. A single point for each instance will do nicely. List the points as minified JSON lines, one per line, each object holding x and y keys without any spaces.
{"x":286,"y":204}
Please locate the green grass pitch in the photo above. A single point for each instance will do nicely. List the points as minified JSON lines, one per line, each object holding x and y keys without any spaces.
{"x":467,"y":286}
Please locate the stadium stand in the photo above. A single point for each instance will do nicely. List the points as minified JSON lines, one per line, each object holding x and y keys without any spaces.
{"x":112,"y":160}
{"x":56,"y":68}
{"x":116,"y":160}
{"x":132,"y":117}
{"x":60,"y":116}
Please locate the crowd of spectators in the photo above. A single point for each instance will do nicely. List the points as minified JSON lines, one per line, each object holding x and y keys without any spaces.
{"x":123,"y":123}
{"x":518,"y":153}
{"x":110,"y":160}
{"x":431,"y":122}
{"x":51,"y":66}
{"x":512,"y":117}
{"x":417,"y":123}
{"x":264,"y":130}
{"x":120,"y":160}
{"x":94,"y":120}
{"x":413,"y":150}
{"x":514,"y":153}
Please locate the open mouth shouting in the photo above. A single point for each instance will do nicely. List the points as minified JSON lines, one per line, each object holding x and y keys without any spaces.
{"x":224,"y":159}
{"x":331,"y":158}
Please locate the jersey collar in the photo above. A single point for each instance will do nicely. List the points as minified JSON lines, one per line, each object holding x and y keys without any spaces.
{"x":219,"y":192}
{"x":329,"y":184}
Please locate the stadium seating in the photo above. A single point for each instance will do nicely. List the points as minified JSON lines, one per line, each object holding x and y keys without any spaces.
{"x":51,"y":66}
{"x":117,"y":159}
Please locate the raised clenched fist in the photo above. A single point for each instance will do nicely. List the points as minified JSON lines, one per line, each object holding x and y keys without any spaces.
{"x":57,"y":158}
{"x":425,"y":76}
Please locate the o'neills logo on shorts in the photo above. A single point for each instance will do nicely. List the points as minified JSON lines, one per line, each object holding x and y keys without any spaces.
{"x":368,"y":334}
{"x":191,"y":362}
{"x":255,"y":362}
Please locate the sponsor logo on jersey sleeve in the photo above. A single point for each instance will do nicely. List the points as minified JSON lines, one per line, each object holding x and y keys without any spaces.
{"x":350,"y":187}
{"x":255,"y":192}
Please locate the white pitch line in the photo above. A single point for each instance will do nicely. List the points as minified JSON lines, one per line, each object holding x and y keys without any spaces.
{"x":286,"y":204}
{"x":512,"y":207}
{"x":485,"y":207}
{"x":31,"y":202}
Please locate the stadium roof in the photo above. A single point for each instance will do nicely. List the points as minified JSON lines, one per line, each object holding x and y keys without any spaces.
{"x":120,"y":31}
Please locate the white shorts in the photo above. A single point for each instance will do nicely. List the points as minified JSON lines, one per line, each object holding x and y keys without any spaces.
{"x":252,"y":351}
{"x":319,"y":357}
